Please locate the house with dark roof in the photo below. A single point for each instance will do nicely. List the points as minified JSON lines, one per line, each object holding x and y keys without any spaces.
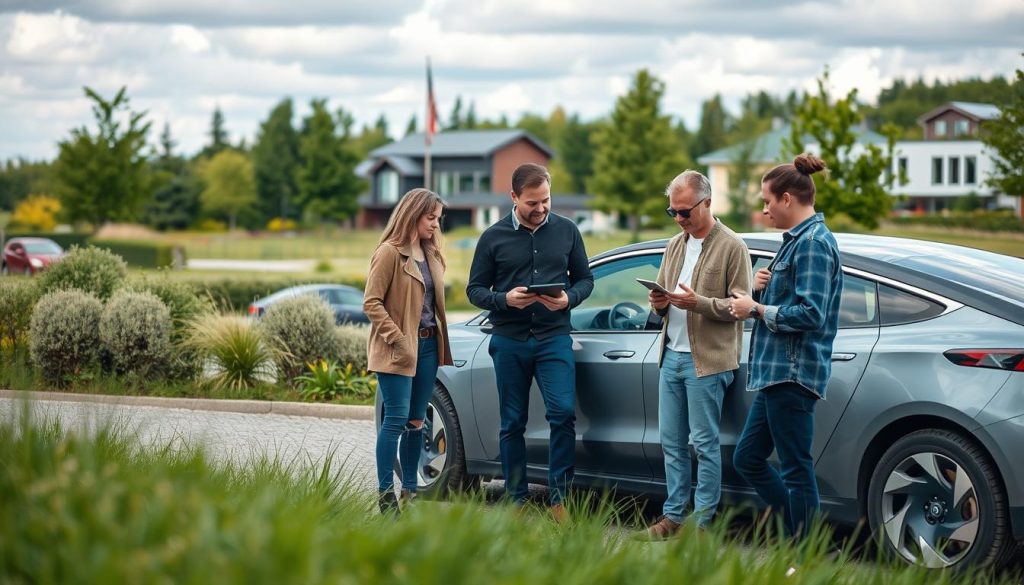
{"x":471,"y":169}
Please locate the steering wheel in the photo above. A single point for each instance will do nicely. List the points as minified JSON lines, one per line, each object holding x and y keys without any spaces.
{"x":621,"y":313}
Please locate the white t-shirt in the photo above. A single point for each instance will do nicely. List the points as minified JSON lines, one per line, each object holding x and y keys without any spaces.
{"x":678,"y":333}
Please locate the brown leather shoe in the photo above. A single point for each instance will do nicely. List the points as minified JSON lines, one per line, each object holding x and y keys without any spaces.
{"x":558,"y":514}
{"x":663,"y":529}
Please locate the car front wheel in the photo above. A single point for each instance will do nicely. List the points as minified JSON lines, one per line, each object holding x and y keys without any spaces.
{"x":442,"y":464}
{"x":936,"y":500}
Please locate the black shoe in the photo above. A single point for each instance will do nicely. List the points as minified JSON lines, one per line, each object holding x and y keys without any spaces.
{"x":388,"y":503}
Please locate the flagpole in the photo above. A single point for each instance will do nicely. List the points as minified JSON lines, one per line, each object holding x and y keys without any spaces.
{"x":426,"y":167}
{"x":428,"y":128}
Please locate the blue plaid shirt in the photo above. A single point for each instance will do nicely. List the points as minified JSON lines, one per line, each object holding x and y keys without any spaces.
{"x":793,"y":342}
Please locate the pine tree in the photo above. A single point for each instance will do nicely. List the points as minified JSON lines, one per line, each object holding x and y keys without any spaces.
{"x":328,"y":186}
{"x":275,"y":158}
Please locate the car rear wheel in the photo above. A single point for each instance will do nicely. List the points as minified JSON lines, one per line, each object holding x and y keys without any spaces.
{"x":442,"y":465}
{"x":28,"y":271}
{"x":3,"y":269}
{"x":936,"y":500}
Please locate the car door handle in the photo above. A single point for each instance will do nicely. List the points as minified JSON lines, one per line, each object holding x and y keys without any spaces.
{"x":843,"y":357}
{"x":619,"y":353}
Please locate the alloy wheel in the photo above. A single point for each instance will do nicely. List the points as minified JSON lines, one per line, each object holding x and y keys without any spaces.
{"x":434,"y":450}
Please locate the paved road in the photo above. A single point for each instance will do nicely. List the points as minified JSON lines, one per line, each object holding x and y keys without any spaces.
{"x":227,"y":435}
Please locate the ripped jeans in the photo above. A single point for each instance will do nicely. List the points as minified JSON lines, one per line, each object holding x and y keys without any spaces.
{"x":405,"y":398}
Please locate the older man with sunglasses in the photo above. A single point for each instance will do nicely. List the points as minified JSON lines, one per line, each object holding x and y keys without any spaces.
{"x":700,"y":347}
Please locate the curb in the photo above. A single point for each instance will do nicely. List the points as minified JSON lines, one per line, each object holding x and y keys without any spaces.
{"x":335,"y":411}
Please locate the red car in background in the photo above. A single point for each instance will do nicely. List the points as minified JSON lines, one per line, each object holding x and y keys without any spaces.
{"x":29,"y":255}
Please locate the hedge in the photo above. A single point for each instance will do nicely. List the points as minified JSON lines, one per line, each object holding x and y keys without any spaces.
{"x":137,"y":253}
{"x":989,"y":221}
{"x":63,"y":240}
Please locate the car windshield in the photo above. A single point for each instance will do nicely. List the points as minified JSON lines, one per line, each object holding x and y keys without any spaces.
{"x":993,"y":274}
{"x":42,"y":248}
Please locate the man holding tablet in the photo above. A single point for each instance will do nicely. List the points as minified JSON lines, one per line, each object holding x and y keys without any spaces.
{"x":532,"y":247}
{"x":700,"y":347}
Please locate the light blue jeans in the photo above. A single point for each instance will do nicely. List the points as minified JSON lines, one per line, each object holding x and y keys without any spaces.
{"x":690,"y":406}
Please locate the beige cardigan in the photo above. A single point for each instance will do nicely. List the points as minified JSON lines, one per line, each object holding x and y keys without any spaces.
{"x":393,"y":301}
{"x":723,"y":268}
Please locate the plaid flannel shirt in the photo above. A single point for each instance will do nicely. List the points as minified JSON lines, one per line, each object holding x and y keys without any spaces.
{"x":793,"y":342}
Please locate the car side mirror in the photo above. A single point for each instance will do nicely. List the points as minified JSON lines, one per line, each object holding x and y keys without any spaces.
{"x":486,"y":329}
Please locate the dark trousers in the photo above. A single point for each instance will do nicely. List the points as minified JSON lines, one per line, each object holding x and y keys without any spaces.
{"x":781,"y":419}
{"x":516,"y":364}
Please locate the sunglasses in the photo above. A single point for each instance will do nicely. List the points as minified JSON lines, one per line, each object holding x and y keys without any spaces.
{"x":683,"y":213}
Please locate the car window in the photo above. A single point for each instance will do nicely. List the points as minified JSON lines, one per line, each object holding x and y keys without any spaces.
{"x":42,"y":248}
{"x":350,"y":297}
{"x":897,"y":307}
{"x":858,"y":306}
{"x":618,"y":302}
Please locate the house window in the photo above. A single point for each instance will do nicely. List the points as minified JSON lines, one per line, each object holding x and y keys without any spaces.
{"x":970,"y":170}
{"x":387,"y":186}
{"x":961,"y":128}
{"x":940,"y":128}
{"x":483,"y":181}
{"x":444,"y":183}
{"x":936,"y":170}
{"x":902,"y":162}
{"x":466,"y":183}
{"x":954,"y":170}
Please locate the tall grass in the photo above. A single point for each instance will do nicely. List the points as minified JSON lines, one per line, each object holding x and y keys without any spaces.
{"x":239,"y":357}
{"x":98,"y":508}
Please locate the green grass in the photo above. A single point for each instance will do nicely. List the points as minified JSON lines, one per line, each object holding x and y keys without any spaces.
{"x":1008,"y":243}
{"x":96,"y":507}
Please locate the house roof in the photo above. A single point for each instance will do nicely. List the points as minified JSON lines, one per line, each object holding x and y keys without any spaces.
{"x":458,"y":143}
{"x":977,"y":111}
{"x":559,"y":203}
{"x":768,"y":147}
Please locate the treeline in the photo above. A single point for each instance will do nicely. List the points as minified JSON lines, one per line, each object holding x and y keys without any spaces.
{"x":303,"y":171}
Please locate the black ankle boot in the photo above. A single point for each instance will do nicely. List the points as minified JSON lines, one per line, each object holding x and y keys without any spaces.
{"x":388,"y":503}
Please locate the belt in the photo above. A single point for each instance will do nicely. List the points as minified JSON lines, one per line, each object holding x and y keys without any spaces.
{"x":427,"y":332}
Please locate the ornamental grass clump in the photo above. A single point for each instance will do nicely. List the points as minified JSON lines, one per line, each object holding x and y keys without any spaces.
{"x":64,"y":340}
{"x":17,"y":298}
{"x":301,"y":328}
{"x":232,"y":350}
{"x":91,"y":270}
{"x":135,"y":330}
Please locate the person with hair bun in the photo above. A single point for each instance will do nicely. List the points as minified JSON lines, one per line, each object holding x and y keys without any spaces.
{"x":796,"y":310}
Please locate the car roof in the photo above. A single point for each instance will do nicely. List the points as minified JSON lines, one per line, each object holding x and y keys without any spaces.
{"x":306,"y":288}
{"x":30,"y":240}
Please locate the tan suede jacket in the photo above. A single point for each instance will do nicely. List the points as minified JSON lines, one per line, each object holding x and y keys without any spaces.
{"x":723,"y":268}
{"x":393,"y":300}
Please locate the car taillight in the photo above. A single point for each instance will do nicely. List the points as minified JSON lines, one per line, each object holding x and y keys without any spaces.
{"x":997,"y":359}
{"x":254,"y":310}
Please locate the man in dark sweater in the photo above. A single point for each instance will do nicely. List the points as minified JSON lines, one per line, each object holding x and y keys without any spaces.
{"x":531,"y":338}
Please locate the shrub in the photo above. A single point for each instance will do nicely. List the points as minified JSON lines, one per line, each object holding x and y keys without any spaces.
{"x":326,"y":381}
{"x":237,"y":354}
{"x":350,"y":345}
{"x":323,"y":266}
{"x":182,"y":299}
{"x":17,"y":297}
{"x":64,"y":334}
{"x":302,"y":330}
{"x":91,"y":270}
{"x":235,"y":293}
{"x":135,"y":329}
{"x":142,"y":254}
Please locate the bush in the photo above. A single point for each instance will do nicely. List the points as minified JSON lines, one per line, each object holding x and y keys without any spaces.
{"x":91,"y":270}
{"x":64,"y":334}
{"x":181,"y":298}
{"x":17,"y":297}
{"x":350,"y":345}
{"x":302,"y":330}
{"x":326,"y":381}
{"x":235,"y":293}
{"x":135,"y":330}
{"x":142,"y":254}
{"x":235,"y":349}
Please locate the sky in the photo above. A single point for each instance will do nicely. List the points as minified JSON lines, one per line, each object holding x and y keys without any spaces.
{"x":179,"y":59}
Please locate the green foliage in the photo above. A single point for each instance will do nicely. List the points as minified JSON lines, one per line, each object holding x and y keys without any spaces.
{"x":17,"y":298}
{"x":175,"y":205}
{"x":301,"y":328}
{"x":1005,"y":135}
{"x":21,"y":177}
{"x":989,"y":221}
{"x":135,"y":330}
{"x":64,"y":335}
{"x":637,"y":154}
{"x":275,"y":158}
{"x":105,"y":176}
{"x":181,"y":298}
{"x":65,"y":241}
{"x":230,"y":185}
{"x":326,"y":380}
{"x":576,"y":152}
{"x":218,"y":135}
{"x":234,"y":349}
{"x":856,"y":183}
{"x":141,"y":253}
{"x":93,"y":270}
{"x":350,"y":345}
{"x":904,"y":101}
{"x":328,"y":185}
{"x":323,"y":266}
{"x":713,"y":131}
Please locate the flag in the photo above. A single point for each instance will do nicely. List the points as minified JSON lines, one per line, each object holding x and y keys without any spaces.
{"x":431,"y":107}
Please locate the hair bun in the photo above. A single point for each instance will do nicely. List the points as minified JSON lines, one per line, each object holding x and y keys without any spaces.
{"x":808,"y":164}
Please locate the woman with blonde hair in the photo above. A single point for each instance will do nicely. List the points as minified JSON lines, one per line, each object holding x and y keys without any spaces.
{"x":404,"y":300}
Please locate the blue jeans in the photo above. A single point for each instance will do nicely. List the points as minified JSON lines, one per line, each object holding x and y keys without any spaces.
{"x":516,"y":364}
{"x":690,"y":406}
{"x":405,"y":398}
{"x":782,"y":419}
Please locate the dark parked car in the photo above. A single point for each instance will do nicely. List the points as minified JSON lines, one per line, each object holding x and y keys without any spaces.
{"x":29,"y":255}
{"x":925,"y":406}
{"x":347,"y":301}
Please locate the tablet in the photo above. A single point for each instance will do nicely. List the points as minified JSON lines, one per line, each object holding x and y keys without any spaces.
{"x":652,"y":285}
{"x":551,"y":289}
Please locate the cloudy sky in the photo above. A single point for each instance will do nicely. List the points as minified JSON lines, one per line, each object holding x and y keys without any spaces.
{"x":181,"y":58}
